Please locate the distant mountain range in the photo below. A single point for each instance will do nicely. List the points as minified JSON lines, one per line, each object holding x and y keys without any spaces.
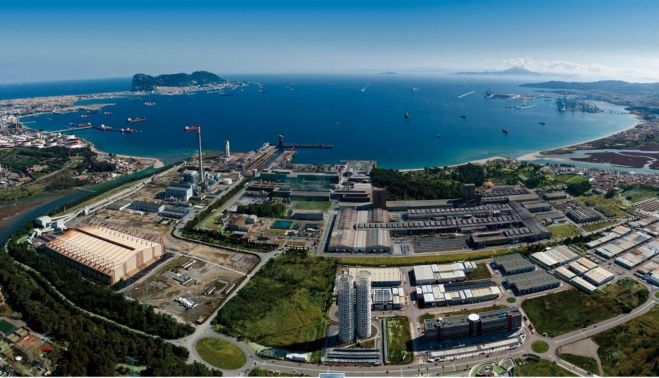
{"x":603,"y":85}
{"x":142,"y":82}
{"x":513,"y":71}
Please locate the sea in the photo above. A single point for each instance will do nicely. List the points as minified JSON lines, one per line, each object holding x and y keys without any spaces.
{"x":363,"y":116}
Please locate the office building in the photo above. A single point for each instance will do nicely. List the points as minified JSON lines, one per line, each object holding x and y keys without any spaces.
{"x":472,"y":325}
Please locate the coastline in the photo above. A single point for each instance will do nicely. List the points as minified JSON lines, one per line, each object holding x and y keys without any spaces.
{"x":535,"y":155}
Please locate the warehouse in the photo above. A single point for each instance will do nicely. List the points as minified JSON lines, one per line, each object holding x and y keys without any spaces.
{"x":104,"y":254}
{"x":439,"y":273}
{"x":381,"y":277}
{"x":554,"y":257}
{"x":564,"y":273}
{"x":513,"y":264}
{"x":555,"y":195}
{"x":636,"y":257}
{"x":449,"y":295}
{"x":531,"y":282}
{"x":582,"y":284}
{"x":582,"y":265}
{"x":623,"y":244}
{"x":599,"y":276}
{"x":537,"y":207}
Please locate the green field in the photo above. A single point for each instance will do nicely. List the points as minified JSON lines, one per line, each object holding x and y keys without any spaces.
{"x":511,"y":299}
{"x":284,"y":304}
{"x":637,"y":193}
{"x":221,"y":353}
{"x":611,"y":207}
{"x":463,"y":312}
{"x":586,"y":363}
{"x":480,"y":273}
{"x":590,"y":227}
{"x":542,"y":368}
{"x":569,"y":310}
{"x":560,"y":231}
{"x":311,"y":205}
{"x":570,"y":179}
{"x":631,"y":349}
{"x":399,"y":340}
{"x":540,"y":346}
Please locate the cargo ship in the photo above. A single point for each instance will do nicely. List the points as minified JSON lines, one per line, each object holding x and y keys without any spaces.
{"x":136,"y":119}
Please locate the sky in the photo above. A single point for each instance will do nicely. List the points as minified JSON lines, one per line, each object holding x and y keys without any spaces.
{"x":48,"y":40}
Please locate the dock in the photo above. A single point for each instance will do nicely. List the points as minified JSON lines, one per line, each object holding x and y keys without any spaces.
{"x":305,"y":145}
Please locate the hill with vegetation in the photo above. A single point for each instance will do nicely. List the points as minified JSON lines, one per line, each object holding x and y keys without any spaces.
{"x":143,"y":82}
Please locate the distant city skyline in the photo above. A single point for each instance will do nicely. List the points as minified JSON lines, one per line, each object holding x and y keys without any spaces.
{"x":72,"y":39}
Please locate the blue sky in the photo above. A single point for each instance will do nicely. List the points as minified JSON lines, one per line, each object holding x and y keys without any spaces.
{"x":57,"y":40}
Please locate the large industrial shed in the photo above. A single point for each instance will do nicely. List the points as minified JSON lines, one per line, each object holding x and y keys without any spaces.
{"x":531,"y":282}
{"x":513,"y":264}
{"x":104,"y":254}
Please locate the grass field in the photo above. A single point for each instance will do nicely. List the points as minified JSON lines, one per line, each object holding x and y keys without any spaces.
{"x":221,"y":353}
{"x":284,"y":305}
{"x":569,"y":310}
{"x":540,"y":346}
{"x":559,"y":231}
{"x":480,"y":273}
{"x":586,"y":363}
{"x":511,"y":299}
{"x":570,"y":179}
{"x":611,"y":207}
{"x":542,"y":368}
{"x":462,"y":312}
{"x":631,"y":349}
{"x":636,"y":193}
{"x":416,"y":260}
{"x":399,"y":340}
{"x":311,"y":205}
{"x":590,"y":227}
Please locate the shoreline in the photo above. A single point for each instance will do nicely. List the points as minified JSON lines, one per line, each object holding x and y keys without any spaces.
{"x":536,"y":155}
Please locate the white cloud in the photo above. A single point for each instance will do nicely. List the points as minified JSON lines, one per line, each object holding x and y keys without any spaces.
{"x":591,"y":71}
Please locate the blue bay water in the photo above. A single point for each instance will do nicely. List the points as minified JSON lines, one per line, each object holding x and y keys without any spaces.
{"x":367,"y":124}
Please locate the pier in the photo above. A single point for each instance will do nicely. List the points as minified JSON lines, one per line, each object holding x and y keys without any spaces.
{"x":282,"y":144}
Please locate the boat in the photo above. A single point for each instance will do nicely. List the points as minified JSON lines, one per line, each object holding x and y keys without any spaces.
{"x":438,"y":136}
{"x":504,"y":131}
{"x":84,"y":115}
{"x":107,"y":113}
{"x":542,"y":123}
{"x":136,"y":119}
{"x":150,"y":103}
{"x":407,"y":115}
{"x":463,"y":116}
{"x":128,"y":130}
{"x":414,"y":89}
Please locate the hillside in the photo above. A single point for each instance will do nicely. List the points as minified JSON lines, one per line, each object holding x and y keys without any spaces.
{"x":143,"y":82}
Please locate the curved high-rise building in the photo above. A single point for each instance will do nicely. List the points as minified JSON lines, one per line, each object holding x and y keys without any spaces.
{"x":346,"y":303}
{"x":363,"y":307}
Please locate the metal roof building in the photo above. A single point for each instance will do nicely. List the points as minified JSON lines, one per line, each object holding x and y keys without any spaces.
{"x":513,"y":264}
{"x":381,"y":277}
{"x":531,"y":282}
{"x":554,"y":257}
{"x":104,"y":254}
{"x":599,"y":276}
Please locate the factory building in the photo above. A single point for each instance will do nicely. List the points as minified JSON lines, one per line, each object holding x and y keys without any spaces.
{"x":363,"y":304}
{"x":638,"y":255}
{"x":555,"y":195}
{"x":554,"y":257}
{"x":599,"y":276}
{"x":388,"y":298}
{"x":513,"y":264}
{"x":531,"y":282}
{"x":581,"y":266}
{"x":179,"y":193}
{"x":346,"y":304}
{"x":454,"y":294}
{"x":583,"y":215}
{"x":106,"y":255}
{"x":381,"y":277}
{"x":537,"y":207}
{"x":622,"y":244}
{"x":489,"y":322}
{"x":582,"y":284}
{"x":564,"y":273}
{"x":440,"y":273}
{"x":146,"y":206}
{"x":344,"y":237}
